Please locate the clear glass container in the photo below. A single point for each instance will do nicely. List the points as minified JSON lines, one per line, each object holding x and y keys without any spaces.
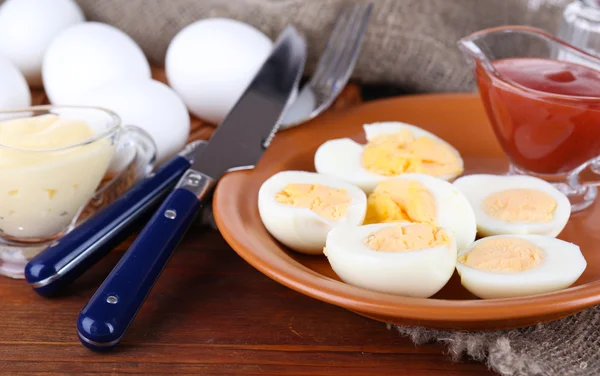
{"x":46,"y":192}
{"x":580,"y":25}
{"x":547,"y":135}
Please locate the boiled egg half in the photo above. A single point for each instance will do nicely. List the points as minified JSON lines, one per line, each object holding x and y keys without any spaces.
{"x":422,"y":198}
{"x":299,"y":208}
{"x":508,"y":266}
{"x":392,"y":149}
{"x":515,"y":204}
{"x":408,"y":259}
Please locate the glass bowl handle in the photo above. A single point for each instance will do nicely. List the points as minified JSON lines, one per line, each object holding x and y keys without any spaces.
{"x":146,"y":150}
{"x":134,"y":160}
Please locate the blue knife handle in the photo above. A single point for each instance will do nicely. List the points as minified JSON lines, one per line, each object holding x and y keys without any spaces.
{"x":78,"y":250}
{"x":105,"y":319}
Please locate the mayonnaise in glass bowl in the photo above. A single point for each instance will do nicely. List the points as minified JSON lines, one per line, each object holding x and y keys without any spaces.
{"x":52,"y":162}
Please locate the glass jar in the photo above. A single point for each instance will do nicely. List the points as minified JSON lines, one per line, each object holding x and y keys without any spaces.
{"x":580,"y":25}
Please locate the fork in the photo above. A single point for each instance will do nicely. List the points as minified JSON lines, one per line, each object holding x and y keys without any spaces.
{"x":334,"y":67}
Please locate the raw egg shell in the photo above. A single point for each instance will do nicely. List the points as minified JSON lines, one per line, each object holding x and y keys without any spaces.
{"x":87,"y":55}
{"x":14,"y":92}
{"x":148,"y":104}
{"x":27,"y":28}
{"x":209,"y":63}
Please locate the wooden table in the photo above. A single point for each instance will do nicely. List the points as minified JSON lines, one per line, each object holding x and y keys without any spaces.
{"x":209,"y":314}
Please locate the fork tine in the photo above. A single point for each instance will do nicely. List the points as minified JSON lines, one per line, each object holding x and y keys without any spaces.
{"x":349,"y":56}
{"x":332,"y":44}
{"x":335,"y":65}
{"x":341,"y":44}
{"x":346,"y":47}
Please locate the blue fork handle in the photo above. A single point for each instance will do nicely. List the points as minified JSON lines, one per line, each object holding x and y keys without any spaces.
{"x":105,"y":319}
{"x":77,"y":251}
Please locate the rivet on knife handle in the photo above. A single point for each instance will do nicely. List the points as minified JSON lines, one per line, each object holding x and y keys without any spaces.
{"x":238,"y":143}
{"x":108,"y":314}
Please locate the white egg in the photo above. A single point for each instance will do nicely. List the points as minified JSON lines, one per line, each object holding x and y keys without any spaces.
{"x":417,"y":273}
{"x":301,"y":228}
{"x":85,"y":56}
{"x":342,"y":158}
{"x":515,"y":213}
{"x":561,"y":265}
{"x":14,"y":92}
{"x":209,"y":63}
{"x":452,"y":209}
{"x":27,"y":28}
{"x":148,"y":104}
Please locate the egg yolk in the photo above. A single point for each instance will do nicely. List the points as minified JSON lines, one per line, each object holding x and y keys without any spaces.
{"x":402,"y":152}
{"x":401,"y":200}
{"x":407,"y":238}
{"x":520,"y":205}
{"x":503,"y":255}
{"x":327,"y":202}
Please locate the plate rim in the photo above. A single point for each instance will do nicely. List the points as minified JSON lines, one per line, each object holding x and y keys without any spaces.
{"x":291,"y":273}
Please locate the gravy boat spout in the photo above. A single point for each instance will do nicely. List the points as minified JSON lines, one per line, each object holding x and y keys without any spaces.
{"x":505,"y":42}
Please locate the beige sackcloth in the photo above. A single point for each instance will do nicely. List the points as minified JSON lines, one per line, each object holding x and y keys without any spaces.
{"x":411,"y":44}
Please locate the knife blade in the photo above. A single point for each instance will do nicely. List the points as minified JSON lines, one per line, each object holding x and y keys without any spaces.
{"x":67,"y":259}
{"x":238,"y":143}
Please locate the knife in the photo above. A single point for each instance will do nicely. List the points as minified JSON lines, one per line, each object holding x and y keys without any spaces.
{"x":65,"y":260}
{"x":237,"y":144}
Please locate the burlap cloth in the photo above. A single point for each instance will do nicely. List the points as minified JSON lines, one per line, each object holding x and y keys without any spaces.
{"x":411,"y":44}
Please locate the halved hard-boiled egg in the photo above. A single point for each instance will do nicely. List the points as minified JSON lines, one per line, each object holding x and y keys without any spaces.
{"x":507,"y":266}
{"x":408,"y":259}
{"x":423,"y":199}
{"x":299,"y":208}
{"x":392,"y":149}
{"x":515,"y":204}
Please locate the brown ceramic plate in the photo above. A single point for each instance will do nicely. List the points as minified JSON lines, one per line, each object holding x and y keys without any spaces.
{"x":459,"y":119}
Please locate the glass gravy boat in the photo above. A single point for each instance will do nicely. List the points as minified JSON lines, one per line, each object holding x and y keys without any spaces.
{"x":46,"y":192}
{"x":547,"y":133}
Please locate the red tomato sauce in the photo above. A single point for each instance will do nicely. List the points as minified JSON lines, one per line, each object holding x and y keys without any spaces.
{"x":554,"y":126}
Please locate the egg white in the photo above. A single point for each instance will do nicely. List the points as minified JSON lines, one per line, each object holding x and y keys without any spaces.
{"x":419,"y":273}
{"x":301,"y":229}
{"x":562,"y":264}
{"x":478,"y":187}
{"x":342,"y":157}
{"x":453,"y":210}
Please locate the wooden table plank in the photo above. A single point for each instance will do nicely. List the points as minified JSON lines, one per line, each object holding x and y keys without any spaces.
{"x":213,"y":314}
